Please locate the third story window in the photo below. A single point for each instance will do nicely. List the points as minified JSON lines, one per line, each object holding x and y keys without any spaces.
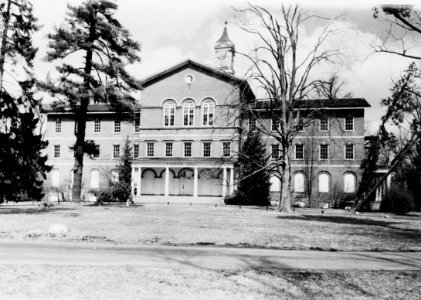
{"x":324,"y":151}
{"x":97,"y":151}
{"x":150,"y":149}
{"x":97,"y":126}
{"x":188,"y":113}
{"x":207,"y":113}
{"x":136,"y":150}
{"x":206,"y":149}
{"x":137,"y":122}
{"x":168,"y":149}
{"x":58,"y":125}
{"x":300,"y":124}
{"x":116,"y":151}
{"x":187,"y":149}
{"x":349,"y":151}
{"x":324,"y":124}
{"x":169,"y":114}
{"x":275,"y":124}
{"x":56,"y":150}
{"x":226,"y":149}
{"x":117,"y":126}
{"x":275,"y":151}
{"x":349,"y":123}
{"x":299,"y":151}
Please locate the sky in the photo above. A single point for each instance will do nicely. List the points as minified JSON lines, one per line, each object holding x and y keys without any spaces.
{"x":171,"y":31}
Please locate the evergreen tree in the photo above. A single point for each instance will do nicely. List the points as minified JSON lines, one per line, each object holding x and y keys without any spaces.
{"x":122,"y":189}
{"x":92,"y":34}
{"x":254,"y":182}
{"x":22,"y":166}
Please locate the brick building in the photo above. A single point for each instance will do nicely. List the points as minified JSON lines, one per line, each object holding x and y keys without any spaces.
{"x":188,"y":132}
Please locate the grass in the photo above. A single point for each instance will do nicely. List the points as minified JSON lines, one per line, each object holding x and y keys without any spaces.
{"x":217,"y":226}
{"x":127,"y":282}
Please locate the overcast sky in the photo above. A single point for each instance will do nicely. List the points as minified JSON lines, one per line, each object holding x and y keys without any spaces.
{"x":170,"y":31}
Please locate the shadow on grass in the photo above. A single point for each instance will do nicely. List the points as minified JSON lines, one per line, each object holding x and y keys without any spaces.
{"x":32,"y":210}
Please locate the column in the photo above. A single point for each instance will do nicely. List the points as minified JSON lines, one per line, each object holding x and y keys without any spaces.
{"x":139,"y":181}
{"x":224,"y":182}
{"x":195,"y":179}
{"x":167,"y":181}
{"x":231,"y":180}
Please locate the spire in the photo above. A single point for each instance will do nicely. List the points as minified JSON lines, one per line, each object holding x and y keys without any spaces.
{"x":224,"y":41}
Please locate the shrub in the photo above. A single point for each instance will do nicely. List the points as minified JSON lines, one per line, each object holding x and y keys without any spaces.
{"x":398,"y":200}
{"x":237,"y":199}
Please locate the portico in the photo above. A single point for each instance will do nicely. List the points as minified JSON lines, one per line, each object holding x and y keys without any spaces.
{"x":182,"y":181}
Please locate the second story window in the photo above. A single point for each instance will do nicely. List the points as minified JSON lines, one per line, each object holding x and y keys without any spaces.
{"x":324,"y":124}
{"x":117,"y":126}
{"x":324,"y":152}
{"x":150,"y":149}
{"x":116,"y":151}
{"x":349,"y":124}
{"x":187,"y":149}
{"x":188,"y":113}
{"x":169,"y":114}
{"x":208,"y":109}
{"x":168,"y":149}
{"x":299,"y":151}
{"x":97,"y":151}
{"x":349,"y":151}
{"x":300,"y":124}
{"x":97,"y":126}
{"x":226,"y":149}
{"x":58,"y":125}
{"x":275,"y":151}
{"x":206,"y":149}
{"x":135,"y":150}
{"x":252,"y":123}
{"x":56,"y":151}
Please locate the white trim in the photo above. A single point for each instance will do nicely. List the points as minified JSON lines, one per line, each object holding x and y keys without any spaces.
{"x":296,"y":151}
{"x":330,"y":136}
{"x":117,"y":132}
{"x":146,"y":152}
{"x":145,"y":136}
{"x":326,"y":166}
{"x":320,"y":152}
{"x":320,"y":125}
{"x":208,"y":98}
{"x":167,"y":99}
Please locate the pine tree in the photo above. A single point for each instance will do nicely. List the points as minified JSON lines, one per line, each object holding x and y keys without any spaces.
{"x":22,"y":166}
{"x":122,"y":189}
{"x":93,"y":34}
{"x":254,"y":182}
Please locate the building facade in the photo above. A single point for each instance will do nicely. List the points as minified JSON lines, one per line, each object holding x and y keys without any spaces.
{"x":187,"y":135}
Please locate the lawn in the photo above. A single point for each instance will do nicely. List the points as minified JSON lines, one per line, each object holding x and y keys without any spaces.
{"x":216,"y":226}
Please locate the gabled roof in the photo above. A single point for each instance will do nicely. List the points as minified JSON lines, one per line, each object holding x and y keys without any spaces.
{"x":321,"y":103}
{"x":92,"y":108}
{"x":196,"y":66}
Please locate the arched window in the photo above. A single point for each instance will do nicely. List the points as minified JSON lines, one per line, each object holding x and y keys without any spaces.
{"x":324,"y":183}
{"x":208,"y":108}
{"x":55,"y":178}
{"x":299,"y":183}
{"x":188,"y":113}
{"x":169,"y":113}
{"x":94,"y":179}
{"x":349,"y":183}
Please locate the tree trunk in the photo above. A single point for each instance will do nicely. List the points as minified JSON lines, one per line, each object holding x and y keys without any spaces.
{"x":81,"y":118}
{"x":4,"y":43}
{"x":285,"y":201}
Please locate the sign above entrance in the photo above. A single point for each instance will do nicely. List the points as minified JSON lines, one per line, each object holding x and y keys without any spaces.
{"x":180,"y":163}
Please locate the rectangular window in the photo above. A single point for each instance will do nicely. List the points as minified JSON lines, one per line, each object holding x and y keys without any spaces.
{"x":116,"y":151}
{"x":58,"y":125}
{"x":137,"y":122}
{"x":56,"y":151}
{"x":187,"y":149}
{"x":324,"y":152}
{"x":206,"y":149}
{"x":168,"y":149}
{"x":226,"y":149}
{"x":97,"y":126}
{"x":150,"y":149}
{"x":135,"y":150}
{"x":300,"y":124}
{"x":349,"y":124}
{"x":188,"y":113}
{"x":169,"y":114}
{"x":252,"y":123}
{"x":275,"y":151}
{"x":324,"y":124}
{"x":117,"y":126}
{"x":349,"y":151}
{"x":275,"y":124}
{"x":299,"y":151}
{"x":97,"y":150}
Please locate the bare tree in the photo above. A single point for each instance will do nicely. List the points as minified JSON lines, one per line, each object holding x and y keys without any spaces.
{"x":284,"y":76}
